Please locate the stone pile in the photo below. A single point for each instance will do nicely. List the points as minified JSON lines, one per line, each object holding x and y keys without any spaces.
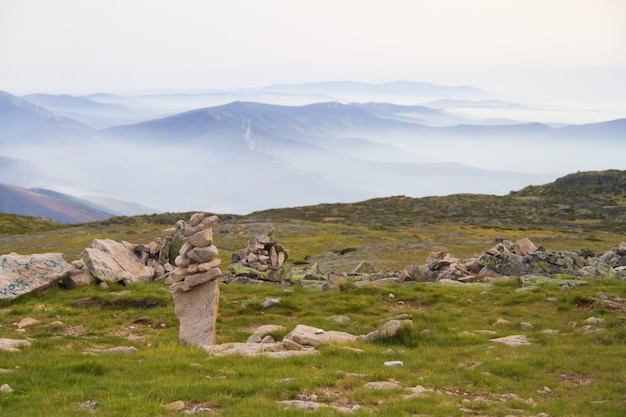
{"x":195,"y":281}
{"x":263,"y":259}
{"x":520,"y":259}
{"x":154,"y":255}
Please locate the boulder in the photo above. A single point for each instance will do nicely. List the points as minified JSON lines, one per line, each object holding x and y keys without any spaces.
{"x":312,"y":336}
{"x":388,"y":330}
{"x":13,"y":345}
{"x":78,"y":276}
{"x":547,"y":263}
{"x":111,"y":261}
{"x":22,"y":274}
{"x":524,"y":247}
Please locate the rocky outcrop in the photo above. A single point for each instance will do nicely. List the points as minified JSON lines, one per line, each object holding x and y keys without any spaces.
{"x":22,"y":274}
{"x":262,"y":259}
{"x":195,"y":281}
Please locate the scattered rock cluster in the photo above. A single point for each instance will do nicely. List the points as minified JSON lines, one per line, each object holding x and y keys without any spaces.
{"x":303,"y":340}
{"x":521,"y":259}
{"x":195,"y":281}
{"x":262,"y":259}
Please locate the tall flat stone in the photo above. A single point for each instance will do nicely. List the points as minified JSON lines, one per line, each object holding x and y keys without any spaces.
{"x":22,"y":274}
{"x":196,"y":310}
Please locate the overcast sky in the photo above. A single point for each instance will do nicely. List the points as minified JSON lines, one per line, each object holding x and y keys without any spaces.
{"x":554,"y":49}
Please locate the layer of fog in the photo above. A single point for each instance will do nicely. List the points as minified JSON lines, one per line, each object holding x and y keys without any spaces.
{"x":195,"y":177}
{"x":244,"y":178}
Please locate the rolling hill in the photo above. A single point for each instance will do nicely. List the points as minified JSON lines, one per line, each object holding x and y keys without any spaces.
{"x":44,"y":203}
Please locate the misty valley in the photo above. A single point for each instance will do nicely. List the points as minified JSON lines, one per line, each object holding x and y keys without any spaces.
{"x":287,"y":145}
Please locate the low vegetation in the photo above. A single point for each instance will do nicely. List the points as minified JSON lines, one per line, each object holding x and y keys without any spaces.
{"x":568,"y":369}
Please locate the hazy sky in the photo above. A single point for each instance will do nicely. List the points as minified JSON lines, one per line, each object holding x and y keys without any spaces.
{"x":554,"y":49}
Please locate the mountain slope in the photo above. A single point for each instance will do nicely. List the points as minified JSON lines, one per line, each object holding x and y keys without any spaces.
{"x":90,"y":112}
{"x":54,"y":206}
{"x":24,"y":122}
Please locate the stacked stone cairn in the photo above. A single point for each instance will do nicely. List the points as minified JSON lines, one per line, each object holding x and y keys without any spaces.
{"x":195,"y":280}
{"x":262,"y":259}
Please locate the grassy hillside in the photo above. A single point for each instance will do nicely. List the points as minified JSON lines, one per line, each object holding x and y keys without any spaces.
{"x":389,"y":232}
{"x":573,"y":366}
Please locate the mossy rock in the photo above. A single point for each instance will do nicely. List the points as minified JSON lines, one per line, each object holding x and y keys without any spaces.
{"x":272,"y":275}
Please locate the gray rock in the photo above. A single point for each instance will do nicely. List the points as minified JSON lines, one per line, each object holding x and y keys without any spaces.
{"x":6,"y":388}
{"x":13,"y":345}
{"x":78,"y":278}
{"x":594,"y":320}
{"x":27,"y":322}
{"x":274,"y":350}
{"x":308,"y":336}
{"x":201,"y":255}
{"x":22,"y":274}
{"x":387,"y":330}
{"x":524,"y":247}
{"x":382,"y":385}
{"x":513,"y":340}
{"x":270,"y":302}
{"x":255,"y":338}
{"x":111,"y":261}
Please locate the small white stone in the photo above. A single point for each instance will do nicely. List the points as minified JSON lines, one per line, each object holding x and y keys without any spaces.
{"x":6,"y":388}
{"x":394,"y":364}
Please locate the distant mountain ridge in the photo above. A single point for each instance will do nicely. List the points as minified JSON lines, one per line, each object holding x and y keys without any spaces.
{"x":22,"y":120}
{"x":45,"y":203}
{"x":245,"y":155}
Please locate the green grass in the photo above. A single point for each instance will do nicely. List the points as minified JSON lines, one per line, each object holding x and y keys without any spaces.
{"x":445,"y":352}
{"x":584,"y":372}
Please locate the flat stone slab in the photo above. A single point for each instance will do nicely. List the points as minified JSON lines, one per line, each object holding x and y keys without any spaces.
{"x":22,"y":274}
{"x":13,"y":345}
{"x":312,"y":336}
{"x":513,"y":340}
{"x":272,"y":350}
